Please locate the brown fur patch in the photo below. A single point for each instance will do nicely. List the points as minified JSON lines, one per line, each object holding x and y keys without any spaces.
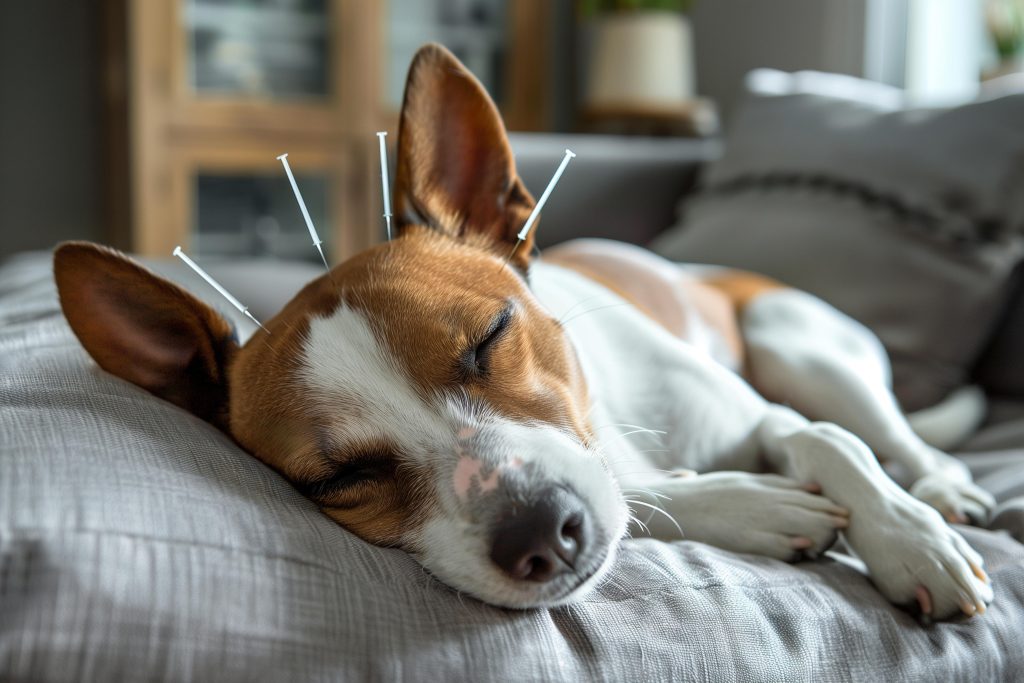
{"x":666,"y":296}
{"x":431,"y":298}
{"x":668,"y":317}
{"x":145,"y":329}
{"x":742,"y":287}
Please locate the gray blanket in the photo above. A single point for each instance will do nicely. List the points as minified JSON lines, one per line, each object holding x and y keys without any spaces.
{"x":137,"y":542}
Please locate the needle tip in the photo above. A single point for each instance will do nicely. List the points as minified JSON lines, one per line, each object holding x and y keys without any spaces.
{"x":251,"y":317}
{"x":511,"y":253}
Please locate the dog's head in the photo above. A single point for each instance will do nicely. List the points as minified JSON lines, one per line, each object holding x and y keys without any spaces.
{"x":419,"y":393}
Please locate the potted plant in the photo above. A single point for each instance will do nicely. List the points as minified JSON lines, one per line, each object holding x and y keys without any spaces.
{"x":1004,"y":20}
{"x":641,"y":54}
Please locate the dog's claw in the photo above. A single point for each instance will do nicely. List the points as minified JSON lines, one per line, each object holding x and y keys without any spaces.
{"x":979,"y":572}
{"x":801,"y":543}
{"x":956,"y":517}
{"x":924,"y":600}
{"x":840,"y":522}
{"x":969,"y":608}
{"x":959,"y":502}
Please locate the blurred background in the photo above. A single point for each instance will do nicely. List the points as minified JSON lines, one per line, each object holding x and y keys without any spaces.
{"x":148,"y":123}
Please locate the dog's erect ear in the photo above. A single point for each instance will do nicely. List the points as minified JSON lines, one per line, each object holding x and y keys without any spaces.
{"x":456,"y":172}
{"x":145,"y":329}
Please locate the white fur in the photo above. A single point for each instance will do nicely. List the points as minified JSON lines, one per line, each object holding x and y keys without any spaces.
{"x":370,"y":395}
{"x":801,"y":351}
{"x":947,"y":425}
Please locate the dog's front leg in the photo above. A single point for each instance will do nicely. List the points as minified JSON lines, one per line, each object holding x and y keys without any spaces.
{"x":911,"y":553}
{"x":765,"y":514}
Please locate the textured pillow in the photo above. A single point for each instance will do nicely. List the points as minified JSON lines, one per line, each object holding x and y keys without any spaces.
{"x":909,"y":220}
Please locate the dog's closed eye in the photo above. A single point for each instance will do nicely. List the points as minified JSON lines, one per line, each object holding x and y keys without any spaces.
{"x":474,"y":362}
{"x":348,"y":476}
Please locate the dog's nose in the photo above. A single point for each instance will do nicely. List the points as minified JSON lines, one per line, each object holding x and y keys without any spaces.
{"x":537,"y":542}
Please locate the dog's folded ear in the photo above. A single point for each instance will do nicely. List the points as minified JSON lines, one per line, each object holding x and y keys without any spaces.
{"x":456,"y":172}
{"x":145,"y":329}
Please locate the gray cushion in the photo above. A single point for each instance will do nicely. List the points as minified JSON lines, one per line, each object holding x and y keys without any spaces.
{"x":139,"y":543}
{"x":264,"y":285}
{"x":1001,"y":367}
{"x":910,"y":220}
{"x":622,"y":188}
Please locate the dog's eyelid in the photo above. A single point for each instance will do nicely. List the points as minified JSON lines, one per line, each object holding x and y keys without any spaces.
{"x":363,"y":457}
{"x":498,"y":325}
{"x":368,"y":464}
{"x":472,"y":361}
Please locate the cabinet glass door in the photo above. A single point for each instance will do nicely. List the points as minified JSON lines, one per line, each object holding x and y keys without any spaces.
{"x":255,"y":215}
{"x":268,"y":49}
{"x":474,"y":30}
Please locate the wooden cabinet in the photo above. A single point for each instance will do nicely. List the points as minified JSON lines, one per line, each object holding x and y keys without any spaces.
{"x":201,"y":97}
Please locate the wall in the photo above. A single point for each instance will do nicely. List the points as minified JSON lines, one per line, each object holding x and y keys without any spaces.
{"x":734,"y":36}
{"x":50,"y":186}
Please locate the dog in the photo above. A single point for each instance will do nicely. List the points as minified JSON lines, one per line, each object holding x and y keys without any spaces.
{"x":494,"y":413}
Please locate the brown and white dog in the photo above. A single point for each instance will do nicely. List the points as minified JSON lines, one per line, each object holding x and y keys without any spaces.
{"x":426,"y":395}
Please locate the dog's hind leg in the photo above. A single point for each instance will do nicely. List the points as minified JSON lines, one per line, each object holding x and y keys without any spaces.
{"x":803,"y":353}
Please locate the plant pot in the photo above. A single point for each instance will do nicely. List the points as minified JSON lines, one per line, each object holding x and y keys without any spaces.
{"x":640,"y":59}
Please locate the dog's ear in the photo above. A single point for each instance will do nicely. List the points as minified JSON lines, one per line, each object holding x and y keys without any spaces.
{"x":145,"y":329}
{"x":456,"y":172}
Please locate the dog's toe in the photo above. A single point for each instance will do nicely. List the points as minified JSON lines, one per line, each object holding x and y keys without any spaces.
{"x":959,"y":502}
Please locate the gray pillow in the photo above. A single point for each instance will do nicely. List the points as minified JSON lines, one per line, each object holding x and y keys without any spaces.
{"x":909,"y":220}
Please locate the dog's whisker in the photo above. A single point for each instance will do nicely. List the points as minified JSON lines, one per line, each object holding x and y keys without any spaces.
{"x":620,"y":437}
{"x":657,"y":509}
{"x":636,"y":520}
{"x":646,"y":521}
{"x":593,"y":310}
{"x":639,"y":472}
{"x":630,"y":426}
{"x":572,"y":308}
{"x":649,"y":492}
{"x":623,"y":435}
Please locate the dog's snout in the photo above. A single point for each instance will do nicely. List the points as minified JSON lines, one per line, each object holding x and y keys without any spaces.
{"x":540,"y":541}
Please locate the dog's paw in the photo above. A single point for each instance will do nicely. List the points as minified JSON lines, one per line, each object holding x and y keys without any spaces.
{"x":957,"y":501}
{"x":764,"y":514}
{"x":915,"y":557}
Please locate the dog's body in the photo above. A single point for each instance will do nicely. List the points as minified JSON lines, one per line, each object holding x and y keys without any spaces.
{"x":437,"y":395}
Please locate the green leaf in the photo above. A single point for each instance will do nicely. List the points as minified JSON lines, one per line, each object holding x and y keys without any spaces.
{"x":589,"y":8}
